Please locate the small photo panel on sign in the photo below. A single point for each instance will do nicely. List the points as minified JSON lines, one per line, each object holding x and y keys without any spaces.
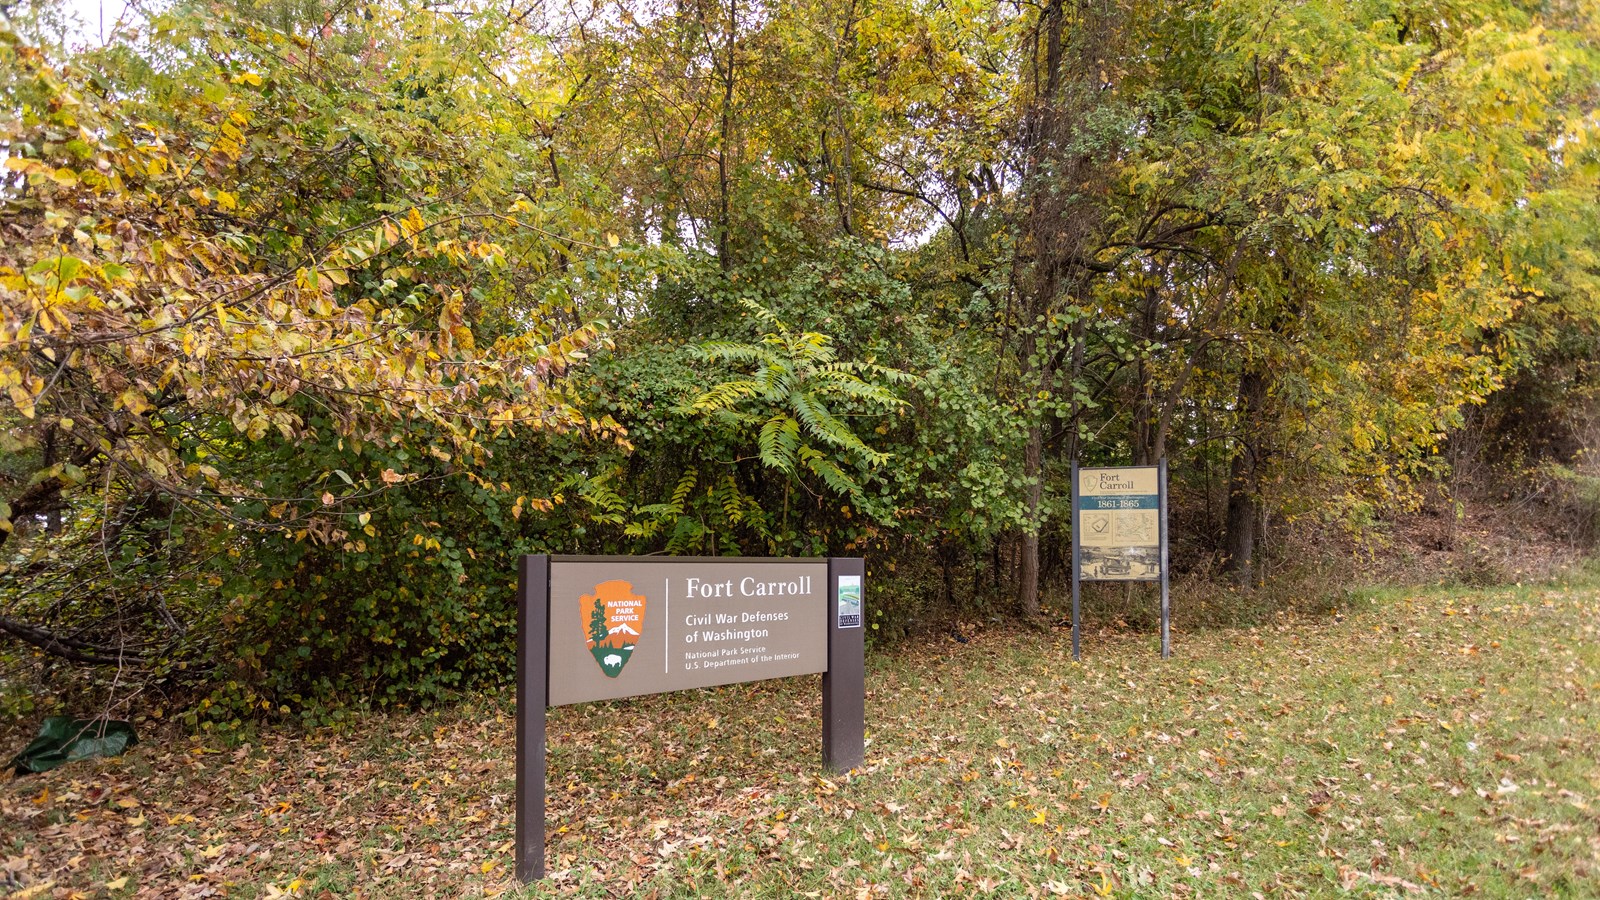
{"x":849,"y":601}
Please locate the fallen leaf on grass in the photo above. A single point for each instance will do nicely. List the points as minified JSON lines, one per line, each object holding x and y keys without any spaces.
{"x":399,"y":862}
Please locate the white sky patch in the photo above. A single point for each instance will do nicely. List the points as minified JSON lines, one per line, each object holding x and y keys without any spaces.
{"x":95,"y":19}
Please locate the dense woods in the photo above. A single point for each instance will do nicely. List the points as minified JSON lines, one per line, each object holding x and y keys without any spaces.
{"x":317,"y":313}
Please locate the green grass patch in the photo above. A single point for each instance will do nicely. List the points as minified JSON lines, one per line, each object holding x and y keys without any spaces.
{"x":1436,"y":743}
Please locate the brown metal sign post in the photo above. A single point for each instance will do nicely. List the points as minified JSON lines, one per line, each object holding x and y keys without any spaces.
{"x":533,"y":692}
{"x":844,"y":685}
{"x":603,"y":628}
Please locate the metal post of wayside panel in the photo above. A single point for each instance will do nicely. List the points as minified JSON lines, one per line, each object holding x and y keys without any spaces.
{"x":1077,"y":559}
{"x":844,"y":685}
{"x":533,"y":694}
{"x":1166,"y":603}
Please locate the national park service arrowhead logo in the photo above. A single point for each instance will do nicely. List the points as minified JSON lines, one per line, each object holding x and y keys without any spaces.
{"x":612,"y":618}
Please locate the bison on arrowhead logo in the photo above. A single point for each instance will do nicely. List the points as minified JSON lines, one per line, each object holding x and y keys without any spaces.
{"x":612,"y":617}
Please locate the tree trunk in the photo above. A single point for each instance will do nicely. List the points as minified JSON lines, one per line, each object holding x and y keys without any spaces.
{"x":724,"y":214}
{"x":947,"y":563}
{"x":1044,"y":236}
{"x":995,"y":565}
{"x":1240,"y":541}
{"x":1143,"y":432}
{"x":1033,"y":473}
{"x":52,"y":522}
{"x":1244,"y":482}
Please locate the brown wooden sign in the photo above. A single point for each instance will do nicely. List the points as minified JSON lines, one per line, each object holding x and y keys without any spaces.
{"x":604,"y":628}
{"x":645,"y":626}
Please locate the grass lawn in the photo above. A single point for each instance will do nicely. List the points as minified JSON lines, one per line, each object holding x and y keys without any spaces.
{"x":1442,"y":743}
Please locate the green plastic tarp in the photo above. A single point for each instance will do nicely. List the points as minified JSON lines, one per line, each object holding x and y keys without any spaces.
{"x":63,"y":739}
